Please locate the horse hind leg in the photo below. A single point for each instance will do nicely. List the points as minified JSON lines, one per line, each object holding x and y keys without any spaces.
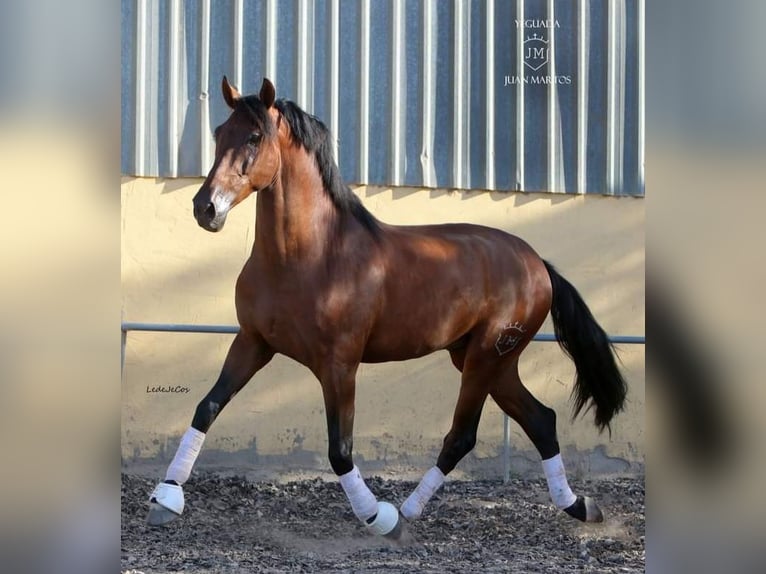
{"x":539,"y":423}
{"x":248,"y":353}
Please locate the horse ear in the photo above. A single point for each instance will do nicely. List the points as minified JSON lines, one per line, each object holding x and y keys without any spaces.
{"x":268,"y":93}
{"x":230,"y":93}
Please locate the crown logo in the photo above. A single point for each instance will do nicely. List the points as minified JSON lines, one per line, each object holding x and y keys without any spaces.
{"x":536,"y":37}
{"x":509,"y":337}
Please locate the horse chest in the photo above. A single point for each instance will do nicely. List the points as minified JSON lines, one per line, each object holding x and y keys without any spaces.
{"x":288,"y":315}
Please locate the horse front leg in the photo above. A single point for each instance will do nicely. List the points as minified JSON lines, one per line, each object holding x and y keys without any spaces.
{"x":459,"y":442}
{"x":338,"y":388}
{"x":247,"y":355}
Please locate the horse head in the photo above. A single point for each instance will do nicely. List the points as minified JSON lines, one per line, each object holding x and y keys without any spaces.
{"x":247,"y":155}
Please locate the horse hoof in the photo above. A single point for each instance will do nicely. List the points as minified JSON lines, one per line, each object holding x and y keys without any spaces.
{"x":166,"y":503}
{"x":585,"y":509}
{"x":389,"y":524}
{"x":159,"y":515}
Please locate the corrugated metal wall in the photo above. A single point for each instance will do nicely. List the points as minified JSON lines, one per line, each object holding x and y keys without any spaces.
{"x":533,"y":95}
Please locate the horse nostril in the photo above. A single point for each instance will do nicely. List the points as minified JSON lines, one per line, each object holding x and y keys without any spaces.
{"x":210,"y":211}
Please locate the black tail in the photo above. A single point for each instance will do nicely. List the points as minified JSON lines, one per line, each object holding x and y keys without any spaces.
{"x":585,"y":342}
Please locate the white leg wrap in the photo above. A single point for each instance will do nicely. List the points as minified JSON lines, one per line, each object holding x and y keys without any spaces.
{"x":561,"y":494}
{"x":363,"y":501}
{"x":181,"y":466}
{"x":413,"y":507}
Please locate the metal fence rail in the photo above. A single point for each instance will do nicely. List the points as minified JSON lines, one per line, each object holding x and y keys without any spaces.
{"x":234,"y":329}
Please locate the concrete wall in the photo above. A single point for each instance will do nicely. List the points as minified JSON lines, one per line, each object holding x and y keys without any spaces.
{"x":172,"y":271}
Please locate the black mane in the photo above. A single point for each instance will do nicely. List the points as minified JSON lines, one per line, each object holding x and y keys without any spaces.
{"x":311,"y":133}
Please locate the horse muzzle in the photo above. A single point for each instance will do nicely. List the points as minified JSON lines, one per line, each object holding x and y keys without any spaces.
{"x":211,"y":214}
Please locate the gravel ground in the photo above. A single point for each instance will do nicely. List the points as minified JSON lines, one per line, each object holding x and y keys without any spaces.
{"x":234,"y":526}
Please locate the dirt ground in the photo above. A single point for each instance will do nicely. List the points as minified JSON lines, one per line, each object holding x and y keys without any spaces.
{"x":233,"y":526}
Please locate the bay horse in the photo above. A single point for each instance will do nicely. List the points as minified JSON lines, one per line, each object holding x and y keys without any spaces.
{"x":330,"y":286}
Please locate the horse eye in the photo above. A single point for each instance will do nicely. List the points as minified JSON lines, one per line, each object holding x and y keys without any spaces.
{"x":254,"y":138}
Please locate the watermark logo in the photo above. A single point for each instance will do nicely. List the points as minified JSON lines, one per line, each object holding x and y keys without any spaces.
{"x":536,"y":54}
{"x":163,"y":389}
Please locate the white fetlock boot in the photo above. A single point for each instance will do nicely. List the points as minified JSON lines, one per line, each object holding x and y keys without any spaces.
{"x":385,"y":521}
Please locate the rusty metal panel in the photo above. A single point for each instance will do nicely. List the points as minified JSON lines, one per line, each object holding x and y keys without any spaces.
{"x":531,"y":95}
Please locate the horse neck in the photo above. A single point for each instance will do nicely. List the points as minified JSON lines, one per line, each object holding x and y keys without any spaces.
{"x":296,"y":218}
